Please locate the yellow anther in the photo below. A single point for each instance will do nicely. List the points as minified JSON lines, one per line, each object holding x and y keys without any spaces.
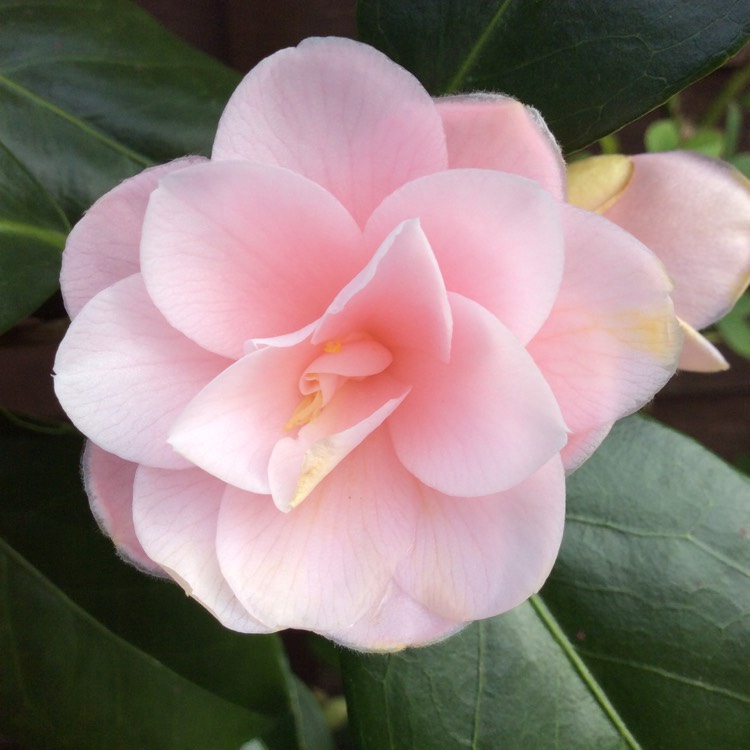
{"x":307,"y":409}
{"x":332,"y":347}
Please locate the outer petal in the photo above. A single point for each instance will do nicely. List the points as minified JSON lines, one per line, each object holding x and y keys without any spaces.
{"x":109,"y":485}
{"x":104,"y":246}
{"x":481,"y":423}
{"x":477,"y":557}
{"x":229,"y":429}
{"x":497,"y":238}
{"x":493,"y":131}
{"x":396,"y":623}
{"x":340,"y":113}
{"x":699,"y":354}
{"x":175,"y":518}
{"x":399,"y":298}
{"x":123,"y":374}
{"x":233,"y":251}
{"x":329,"y":562}
{"x":612,"y":340}
{"x":694,"y":213}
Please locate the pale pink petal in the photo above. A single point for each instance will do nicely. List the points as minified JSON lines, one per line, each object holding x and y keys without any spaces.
{"x":340,"y":113}
{"x":477,"y":557}
{"x":397,"y":622}
{"x":694,"y":213}
{"x":298,"y":464}
{"x":582,"y":444}
{"x":123,"y":374}
{"x":492,"y":131}
{"x":481,"y":423}
{"x":175,"y":516}
{"x":329,"y":562}
{"x":109,"y":486}
{"x":104,"y":245}
{"x":497,"y":238}
{"x":229,"y":429}
{"x":233,"y":251}
{"x":612,"y":340}
{"x":399,"y":298}
{"x":699,"y":354}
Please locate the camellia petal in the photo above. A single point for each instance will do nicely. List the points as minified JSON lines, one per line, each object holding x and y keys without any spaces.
{"x":399,"y":298}
{"x":229,"y":429}
{"x":340,"y":546}
{"x":123,"y":374}
{"x":597,"y":182}
{"x":340,"y":113}
{"x":109,"y":486}
{"x":699,"y":354}
{"x":481,"y":423}
{"x":103,"y":247}
{"x":215,"y":233}
{"x":500,"y":244}
{"x":299,"y":464}
{"x":492,"y":131}
{"x":475,"y":557}
{"x":175,"y":516}
{"x":397,"y":622}
{"x":612,"y":339}
{"x":694,"y":213}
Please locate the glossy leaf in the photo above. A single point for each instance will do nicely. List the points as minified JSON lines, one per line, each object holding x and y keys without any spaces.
{"x":32,"y":236}
{"x":90,"y":93}
{"x":45,"y":516}
{"x":588,"y":67}
{"x":69,"y":684}
{"x":639,"y":639}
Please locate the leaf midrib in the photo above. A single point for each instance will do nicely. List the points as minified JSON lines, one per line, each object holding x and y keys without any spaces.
{"x":464,"y":69}
{"x":550,"y":622}
{"x":75,"y":121}
{"x":50,"y":237}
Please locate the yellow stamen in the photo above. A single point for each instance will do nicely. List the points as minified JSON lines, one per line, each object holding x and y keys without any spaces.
{"x":307,"y":409}
{"x":332,"y":347}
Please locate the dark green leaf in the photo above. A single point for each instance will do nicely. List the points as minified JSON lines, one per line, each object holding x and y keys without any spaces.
{"x":589,"y":67}
{"x":32,"y":235}
{"x":67,"y":683}
{"x":640,"y":635}
{"x":92,"y":92}
{"x":45,"y":515}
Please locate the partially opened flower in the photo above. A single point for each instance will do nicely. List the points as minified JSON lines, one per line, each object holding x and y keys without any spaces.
{"x":333,"y":376}
{"x":694,"y":213}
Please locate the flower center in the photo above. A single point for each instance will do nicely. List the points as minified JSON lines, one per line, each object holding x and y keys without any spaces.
{"x":340,"y":361}
{"x":307,"y":409}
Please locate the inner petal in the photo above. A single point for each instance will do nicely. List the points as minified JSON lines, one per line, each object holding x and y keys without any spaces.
{"x":299,"y":463}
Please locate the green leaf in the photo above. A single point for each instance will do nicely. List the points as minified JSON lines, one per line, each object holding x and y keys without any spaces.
{"x":639,"y":638}
{"x":735,"y":326}
{"x":662,"y":135}
{"x":70,"y":684}
{"x":45,"y":516}
{"x":32,"y":234}
{"x":590,"y":68}
{"x":90,"y":93}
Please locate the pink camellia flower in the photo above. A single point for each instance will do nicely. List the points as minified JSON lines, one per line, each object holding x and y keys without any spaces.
{"x":694,"y":213}
{"x":333,"y":376}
